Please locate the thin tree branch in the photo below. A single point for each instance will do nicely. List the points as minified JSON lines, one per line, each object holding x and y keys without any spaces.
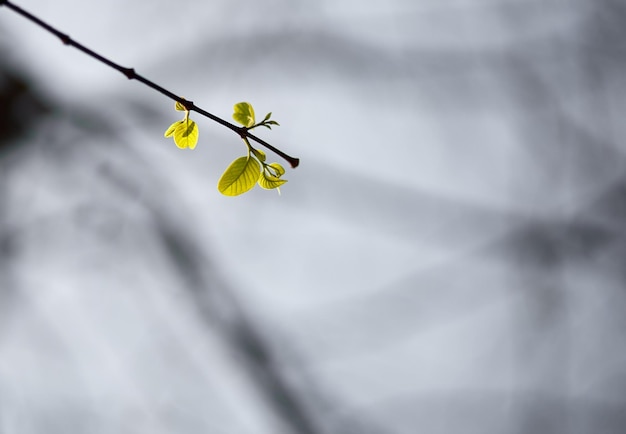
{"x":132,"y":75}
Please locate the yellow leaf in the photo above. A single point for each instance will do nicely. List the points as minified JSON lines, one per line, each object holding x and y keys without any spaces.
{"x":270,"y":182}
{"x":170,"y":130}
{"x":240,"y":176}
{"x":244,"y":114}
{"x":280,"y":170}
{"x":186,"y":134}
{"x":259,"y":154}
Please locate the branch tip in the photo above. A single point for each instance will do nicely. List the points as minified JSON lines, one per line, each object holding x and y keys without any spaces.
{"x":294,"y":162}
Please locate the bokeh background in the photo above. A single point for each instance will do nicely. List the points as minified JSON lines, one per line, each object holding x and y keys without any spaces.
{"x":449,"y":257}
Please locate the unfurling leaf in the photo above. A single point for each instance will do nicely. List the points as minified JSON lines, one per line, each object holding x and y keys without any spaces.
{"x":270,"y":182}
{"x":244,"y":114}
{"x":240,"y":176}
{"x":185,"y":133}
{"x":180,"y":107}
{"x":280,"y":170}
{"x":267,"y":117}
{"x":259,"y":154}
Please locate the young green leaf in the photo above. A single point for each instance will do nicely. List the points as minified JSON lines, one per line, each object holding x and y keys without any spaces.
{"x":259,"y":154}
{"x":240,"y":176}
{"x":244,"y":114}
{"x":185,"y":133}
{"x":270,"y":182}
{"x":170,"y":130}
{"x":280,"y":170}
{"x":180,"y":107}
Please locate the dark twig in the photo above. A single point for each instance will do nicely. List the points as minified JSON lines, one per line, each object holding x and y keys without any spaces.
{"x":132,"y":75}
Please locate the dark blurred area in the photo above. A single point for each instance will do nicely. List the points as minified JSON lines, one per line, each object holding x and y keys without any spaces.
{"x":21,"y":105}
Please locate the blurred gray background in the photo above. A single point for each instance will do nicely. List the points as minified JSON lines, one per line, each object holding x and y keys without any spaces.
{"x":449,"y":257}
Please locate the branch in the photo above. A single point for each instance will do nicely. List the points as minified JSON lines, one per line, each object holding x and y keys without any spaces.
{"x":132,"y":75}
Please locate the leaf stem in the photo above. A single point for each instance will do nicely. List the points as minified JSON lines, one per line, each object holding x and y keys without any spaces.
{"x":132,"y":75}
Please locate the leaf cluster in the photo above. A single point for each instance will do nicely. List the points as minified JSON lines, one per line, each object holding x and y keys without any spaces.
{"x":246,"y":171}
